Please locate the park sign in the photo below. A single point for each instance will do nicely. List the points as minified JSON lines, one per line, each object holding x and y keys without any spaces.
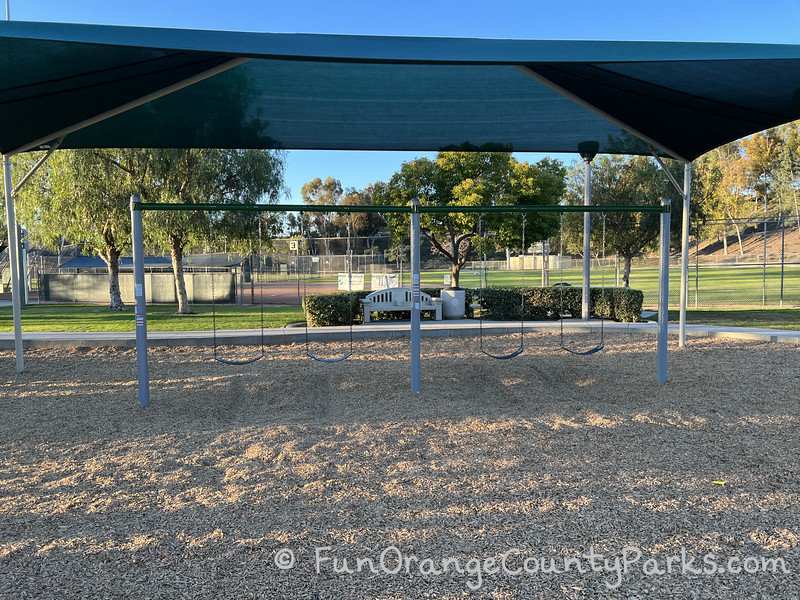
{"x":351,"y":282}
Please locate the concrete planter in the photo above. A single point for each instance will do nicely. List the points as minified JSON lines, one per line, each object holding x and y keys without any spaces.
{"x":453,"y":303}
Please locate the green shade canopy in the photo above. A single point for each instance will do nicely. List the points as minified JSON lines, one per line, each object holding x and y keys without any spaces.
{"x":189,"y":88}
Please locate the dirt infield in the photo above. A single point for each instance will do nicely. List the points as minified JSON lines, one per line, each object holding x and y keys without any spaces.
{"x":525,"y":478}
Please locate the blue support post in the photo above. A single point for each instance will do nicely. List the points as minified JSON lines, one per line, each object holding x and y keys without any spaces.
{"x":415,"y":300}
{"x":587,"y":238}
{"x":13,"y":258}
{"x":142,"y":365}
{"x":663,"y":296}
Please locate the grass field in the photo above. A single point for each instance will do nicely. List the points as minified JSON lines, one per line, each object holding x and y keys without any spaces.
{"x":739,"y":290}
{"x":770,"y":318}
{"x":709,"y":287}
{"x":70,"y":317}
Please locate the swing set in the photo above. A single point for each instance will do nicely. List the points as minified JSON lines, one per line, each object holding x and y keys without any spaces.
{"x":565,"y":344}
{"x":415,"y":210}
{"x":217,"y":356}
{"x":350,"y":300}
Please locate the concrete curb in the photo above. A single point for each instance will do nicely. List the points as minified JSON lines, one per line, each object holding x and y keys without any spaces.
{"x":463,"y":327}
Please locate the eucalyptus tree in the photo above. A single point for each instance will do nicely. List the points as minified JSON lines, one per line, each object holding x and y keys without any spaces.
{"x":80,"y":196}
{"x":321,"y":224}
{"x":196,"y":176}
{"x":83,"y":195}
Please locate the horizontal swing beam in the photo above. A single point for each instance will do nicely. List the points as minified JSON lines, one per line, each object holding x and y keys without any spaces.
{"x":398,"y":209}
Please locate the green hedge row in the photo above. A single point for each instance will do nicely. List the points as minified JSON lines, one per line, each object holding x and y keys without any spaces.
{"x":337,"y":308}
{"x":499,"y":304}
{"x":542,"y":304}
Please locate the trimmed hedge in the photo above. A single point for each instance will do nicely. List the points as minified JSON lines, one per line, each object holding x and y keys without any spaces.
{"x":335,"y":308}
{"x":499,"y":304}
{"x":541,"y":304}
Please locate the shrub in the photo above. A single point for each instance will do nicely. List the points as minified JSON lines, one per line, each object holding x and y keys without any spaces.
{"x":541,"y":304}
{"x":499,"y":304}
{"x":627,"y":304}
{"x":337,"y":308}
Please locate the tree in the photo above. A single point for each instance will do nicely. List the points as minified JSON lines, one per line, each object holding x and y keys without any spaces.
{"x":629,"y":181}
{"x":733,"y":202}
{"x":788,"y":172}
{"x":195,"y":176}
{"x":322,"y":193}
{"x":363,"y":225}
{"x":84,"y":196}
{"x":78,"y":195}
{"x":760,"y":159}
{"x":473,"y":179}
{"x":735,"y":177}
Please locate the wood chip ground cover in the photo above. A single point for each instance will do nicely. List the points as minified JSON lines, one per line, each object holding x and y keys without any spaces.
{"x":561,"y":464}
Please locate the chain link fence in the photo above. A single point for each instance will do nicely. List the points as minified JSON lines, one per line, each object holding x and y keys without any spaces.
{"x":733,"y":263}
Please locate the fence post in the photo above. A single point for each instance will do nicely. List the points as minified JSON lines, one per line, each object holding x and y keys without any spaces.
{"x":764,"y":271}
{"x":783,"y":252}
{"x":697,"y":268}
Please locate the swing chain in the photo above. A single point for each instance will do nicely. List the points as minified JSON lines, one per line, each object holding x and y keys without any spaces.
{"x":563,"y":343}
{"x":484,"y":283}
{"x":218,"y":358}
{"x":349,"y":353}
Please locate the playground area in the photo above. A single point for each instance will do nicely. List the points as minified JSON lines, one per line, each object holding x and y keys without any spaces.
{"x":540,"y":460}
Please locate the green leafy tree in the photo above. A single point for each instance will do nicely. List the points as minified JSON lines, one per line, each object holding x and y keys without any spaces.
{"x":473,"y":179}
{"x":196,"y":176}
{"x":84,"y":196}
{"x":363,"y":225}
{"x":788,"y":171}
{"x":322,"y":224}
{"x":760,"y":159}
{"x":733,"y":201}
{"x":629,"y":181}
{"x":80,"y":196}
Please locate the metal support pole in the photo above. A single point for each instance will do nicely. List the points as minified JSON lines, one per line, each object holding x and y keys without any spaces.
{"x":697,"y":268}
{"x":764,"y":279}
{"x":663,"y":297}
{"x":783,"y":252}
{"x":687,"y":188}
{"x":297,"y":271}
{"x":415,"y":300}
{"x":142,"y":365}
{"x":13,"y":259}
{"x":587,"y":236}
{"x":23,"y":267}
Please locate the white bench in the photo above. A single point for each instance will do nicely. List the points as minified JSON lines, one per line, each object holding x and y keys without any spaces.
{"x":396,"y":299}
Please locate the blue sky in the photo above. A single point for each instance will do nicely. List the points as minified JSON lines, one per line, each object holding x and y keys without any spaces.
{"x":772,"y":21}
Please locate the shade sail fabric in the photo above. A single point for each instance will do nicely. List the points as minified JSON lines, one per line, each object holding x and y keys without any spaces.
{"x":302,"y":91}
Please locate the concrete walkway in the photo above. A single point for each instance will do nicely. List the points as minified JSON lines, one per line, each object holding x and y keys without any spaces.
{"x":460,"y":327}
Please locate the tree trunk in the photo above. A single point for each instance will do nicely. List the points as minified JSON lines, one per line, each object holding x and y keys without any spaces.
{"x":455,"y":271}
{"x":626,"y":271}
{"x":176,"y":250}
{"x":739,"y":237}
{"x":724,"y":240}
{"x":113,"y":280}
